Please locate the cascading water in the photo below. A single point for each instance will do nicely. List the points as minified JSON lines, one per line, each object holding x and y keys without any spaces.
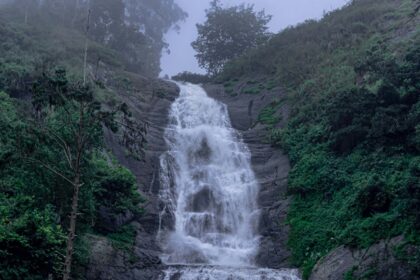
{"x":208,"y":191}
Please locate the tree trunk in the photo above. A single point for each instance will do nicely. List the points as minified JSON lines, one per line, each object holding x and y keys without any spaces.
{"x":26,"y":12}
{"x":86,"y":49}
{"x":76,"y":185}
{"x":72,"y":229}
{"x":75,"y":12}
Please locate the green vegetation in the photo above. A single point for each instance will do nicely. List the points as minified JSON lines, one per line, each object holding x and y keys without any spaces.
{"x":356,"y":159}
{"x":227,"y":33}
{"x":124,"y":238}
{"x":353,"y":135}
{"x":38,"y":154}
{"x":191,"y":78}
{"x":268,"y":115}
{"x":230,"y":87}
{"x":52,"y":140}
{"x":46,"y":32}
{"x":252,"y":89}
{"x":405,"y":253}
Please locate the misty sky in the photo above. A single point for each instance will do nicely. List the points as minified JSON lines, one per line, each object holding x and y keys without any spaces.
{"x":284,"y":12}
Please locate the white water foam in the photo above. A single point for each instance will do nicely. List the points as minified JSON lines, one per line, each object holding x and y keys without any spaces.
{"x":229,"y":273}
{"x":209,"y":192}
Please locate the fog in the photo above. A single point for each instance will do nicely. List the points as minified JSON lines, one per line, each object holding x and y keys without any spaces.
{"x":284,"y":12}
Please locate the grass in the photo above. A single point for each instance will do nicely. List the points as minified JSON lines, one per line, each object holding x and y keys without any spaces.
{"x":230,"y":87}
{"x":268,"y":115}
{"x":253,"y":88}
{"x":124,"y":238}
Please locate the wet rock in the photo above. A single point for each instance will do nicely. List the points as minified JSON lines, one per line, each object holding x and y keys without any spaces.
{"x":202,"y":201}
{"x":378,"y":261}
{"x":271,"y":166}
{"x":110,"y":263}
{"x":109,"y":221}
{"x":149,"y":101}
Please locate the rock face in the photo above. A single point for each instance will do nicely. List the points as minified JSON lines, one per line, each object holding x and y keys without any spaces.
{"x":270,"y":165}
{"x":149,"y":101}
{"x":108,"y":263}
{"x":378,"y":262}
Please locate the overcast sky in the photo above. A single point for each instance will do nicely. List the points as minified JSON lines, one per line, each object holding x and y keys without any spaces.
{"x":284,"y":12}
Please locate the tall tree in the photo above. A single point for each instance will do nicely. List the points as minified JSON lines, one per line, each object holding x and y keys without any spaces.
{"x":133,"y":28}
{"x":69,"y":116}
{"x":107,"y":20}
{"x":227,"y":33}
{"x":27,"y":6}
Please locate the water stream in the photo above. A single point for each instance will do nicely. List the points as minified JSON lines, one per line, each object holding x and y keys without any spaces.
{"x":209,"y":218}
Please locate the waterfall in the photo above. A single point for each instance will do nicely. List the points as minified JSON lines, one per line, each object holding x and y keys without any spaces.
{"x":208,"y":193}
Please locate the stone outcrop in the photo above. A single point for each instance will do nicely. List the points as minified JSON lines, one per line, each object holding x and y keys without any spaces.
{"x":271,"y":167}
{"x":149,"y":102}
{"x":379,"y":262}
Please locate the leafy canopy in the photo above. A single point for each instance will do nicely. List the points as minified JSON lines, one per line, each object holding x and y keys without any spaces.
{"x":39,"y":147}
{"x":132,"y":30}
{"x":228,"y":33}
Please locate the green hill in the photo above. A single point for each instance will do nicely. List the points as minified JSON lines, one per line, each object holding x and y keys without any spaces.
{"x":353,"y":137}
{"x":44,"y":103}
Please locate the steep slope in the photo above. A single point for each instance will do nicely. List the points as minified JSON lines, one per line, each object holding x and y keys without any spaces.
{"x":149,"y":101}
{"x":117,"y":226}
{"x":271,"y":167}
{"x":353,"y":87}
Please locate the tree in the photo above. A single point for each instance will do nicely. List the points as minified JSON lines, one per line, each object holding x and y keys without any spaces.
{"x":71,"y":119}
{"x":39,"y":161}
{"x":30,"y":239}
{"x":26,"y":6}
{"x":228,"y":33}
{"x":152,"y":20}
{"x":135,"y":28}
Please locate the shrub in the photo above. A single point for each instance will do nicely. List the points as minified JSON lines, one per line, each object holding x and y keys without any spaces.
{"x":193,"y":78}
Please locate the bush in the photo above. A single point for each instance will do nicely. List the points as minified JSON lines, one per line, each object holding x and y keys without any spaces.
{"x":373,"y":199}
{"x":31,"y":242}
{"x":193,"y":78}
{"x":114,"y":192}
{"x":268,"y":115}
{"x":353,"y":135}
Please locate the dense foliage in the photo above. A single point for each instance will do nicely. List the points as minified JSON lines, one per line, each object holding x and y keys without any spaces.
{"x":133,"y":29}
{"x":191,"y":78}
{"x":37,"y":156}
{"x":356,"y":163}
{"x":38,"y":142}
{"x":46,"y":112}
{"x":353,"y":80}
{"x":227,"y":33}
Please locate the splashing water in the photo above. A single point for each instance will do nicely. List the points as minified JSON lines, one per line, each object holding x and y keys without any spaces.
{"x":228,"y":273}
{"x":209,"y":193}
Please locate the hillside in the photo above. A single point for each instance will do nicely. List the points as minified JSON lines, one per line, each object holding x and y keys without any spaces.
{"x":46,"y":107}
{"x":325,"y":113}
{"x":353,"y":135}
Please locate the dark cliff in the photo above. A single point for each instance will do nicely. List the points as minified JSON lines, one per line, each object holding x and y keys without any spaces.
{"x":270,"y":164}
{"x":149,"y":101}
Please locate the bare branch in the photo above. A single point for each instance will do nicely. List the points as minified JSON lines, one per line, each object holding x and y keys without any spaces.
{"x":64,"y":145}
{"x":47,"y":166}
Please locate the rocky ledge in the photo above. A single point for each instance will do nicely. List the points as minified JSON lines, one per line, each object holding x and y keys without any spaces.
{"x":379,"y":262}
{"x":149,"y":101}
{"x":270,"y":165}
